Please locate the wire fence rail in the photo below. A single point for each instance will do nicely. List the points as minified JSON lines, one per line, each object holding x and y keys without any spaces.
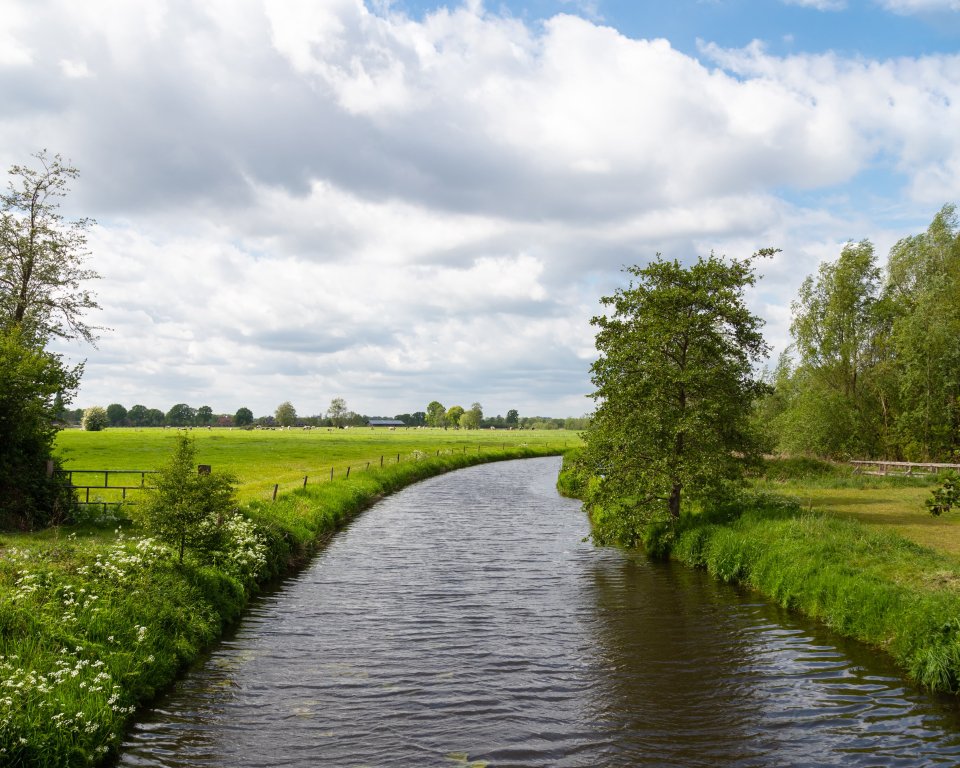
{"x":118,"y":493}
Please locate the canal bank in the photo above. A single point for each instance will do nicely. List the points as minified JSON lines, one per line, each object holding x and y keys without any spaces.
{"x":91,"y":631}
{"x":866,"y":584}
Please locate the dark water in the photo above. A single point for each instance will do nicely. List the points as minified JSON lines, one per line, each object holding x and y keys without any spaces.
{"x":465,"y":622}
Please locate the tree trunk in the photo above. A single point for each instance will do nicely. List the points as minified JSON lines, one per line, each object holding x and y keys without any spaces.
{"x":674,"y":502}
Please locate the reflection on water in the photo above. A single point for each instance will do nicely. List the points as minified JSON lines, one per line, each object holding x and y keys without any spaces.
{"x":464,"y":622}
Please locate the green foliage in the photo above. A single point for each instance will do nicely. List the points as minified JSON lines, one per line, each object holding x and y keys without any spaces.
{"x":802,"y":468}
{"x":33,"y":385}
{"x":286,"y":414}
{"x":187,"y":509}
{"x":338,"y":411}
{"x":453,"y":414}
{"x":243,"y":417}
{"x":471,"y":419}
{"x":675,"y":388}
{"x":946,"y":497}
{"x":180,"y":415}
{"x":204,"y":416}
{"x":116,"y":415}
{"x":878,"y":363}
{"x":436,"y":414}
{"x":95,"y":419}
{"x":836,"y":322}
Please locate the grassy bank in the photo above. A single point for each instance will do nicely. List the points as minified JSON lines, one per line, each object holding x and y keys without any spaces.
{"x":94,"y":623}
{"x":849,"y":569}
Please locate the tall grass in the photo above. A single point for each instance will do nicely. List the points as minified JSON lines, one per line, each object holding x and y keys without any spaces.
{"x":94,"y":623}
{"x":871,"y":585}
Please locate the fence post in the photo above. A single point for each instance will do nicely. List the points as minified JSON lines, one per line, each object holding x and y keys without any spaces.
{"x":381,"y":462}
{"x":275,"y":487}
{"x":398,"y":458}
{"x":331,"y":474}
{"x":304,"y":481}
{"x":348,"y":471}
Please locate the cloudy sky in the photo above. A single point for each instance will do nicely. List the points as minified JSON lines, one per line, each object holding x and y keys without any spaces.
{"x":396,"y":202}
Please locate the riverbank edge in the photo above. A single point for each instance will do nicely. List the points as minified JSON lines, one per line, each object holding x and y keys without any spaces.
{"x":159,"y":617}
{"x":873,"y":586}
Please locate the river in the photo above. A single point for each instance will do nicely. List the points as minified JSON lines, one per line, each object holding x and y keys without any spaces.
{"x":465,"y":622}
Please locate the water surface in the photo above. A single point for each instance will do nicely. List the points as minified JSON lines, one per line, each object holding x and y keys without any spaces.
{"x":464,"y":621}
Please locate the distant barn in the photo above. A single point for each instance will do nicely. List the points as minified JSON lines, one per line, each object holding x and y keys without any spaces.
{"x":385,"y":423}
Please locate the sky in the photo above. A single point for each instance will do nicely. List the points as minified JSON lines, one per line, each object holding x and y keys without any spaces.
{"x":399,"y":202}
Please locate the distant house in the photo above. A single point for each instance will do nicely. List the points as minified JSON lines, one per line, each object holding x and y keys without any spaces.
{"x":385,"y":423}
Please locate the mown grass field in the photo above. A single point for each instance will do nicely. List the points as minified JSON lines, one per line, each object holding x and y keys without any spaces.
{"x":893,"y":504}
{"x":263,"y":458}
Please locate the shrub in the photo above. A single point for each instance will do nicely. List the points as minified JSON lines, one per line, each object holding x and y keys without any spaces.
{"x":95,"y":419}
{"x":187,"y":509}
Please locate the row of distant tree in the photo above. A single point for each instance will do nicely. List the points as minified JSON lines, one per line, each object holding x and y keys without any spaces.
{"x":337,"y":415}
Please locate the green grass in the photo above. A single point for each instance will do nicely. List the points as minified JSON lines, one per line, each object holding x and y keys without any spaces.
{"x":859,"y":553}
{"x":892,"y":504}
{"x":863,"y":582}
{"x":93,"y":623}
{"x":263,"y":458}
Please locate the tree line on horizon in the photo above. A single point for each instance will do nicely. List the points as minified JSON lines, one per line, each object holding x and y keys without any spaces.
{"x":181,"y":415}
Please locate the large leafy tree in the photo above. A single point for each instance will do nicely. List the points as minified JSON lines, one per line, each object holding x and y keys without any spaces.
{"x":34,"y":384}
{"x":923,"y":292}
{"x":675,"y":389}
{"x":837,"y":327}
{"x":43,"y":295}
{"x":181,"y":415}
{"x":42,"y":274}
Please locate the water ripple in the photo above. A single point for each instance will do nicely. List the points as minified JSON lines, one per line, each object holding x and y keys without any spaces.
{"x":465,"y":620}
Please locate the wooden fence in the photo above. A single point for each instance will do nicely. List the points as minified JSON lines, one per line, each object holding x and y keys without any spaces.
{"x":105,"y":493}
{"x":903,"y":468}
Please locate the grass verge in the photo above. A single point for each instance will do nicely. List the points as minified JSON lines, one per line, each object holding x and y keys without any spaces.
{"x":94,"y":623}
{"x":863,"y":580}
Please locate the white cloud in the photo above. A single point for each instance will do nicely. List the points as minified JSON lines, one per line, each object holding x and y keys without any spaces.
{"x":300,"y":200}
{"x":920,"y":6}
{"x":820,"y":5}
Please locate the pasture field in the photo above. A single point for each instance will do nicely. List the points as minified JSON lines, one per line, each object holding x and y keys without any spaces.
{"x":892,"y":504}
{"x":263,"y":458}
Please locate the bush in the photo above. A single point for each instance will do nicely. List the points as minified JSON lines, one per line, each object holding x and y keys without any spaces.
{"x":95,"y":419}
{"x":184,"y":508}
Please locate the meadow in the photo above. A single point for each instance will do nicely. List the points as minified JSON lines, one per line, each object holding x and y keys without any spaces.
{"x":890,"y":504}
{"x":261,"y":459}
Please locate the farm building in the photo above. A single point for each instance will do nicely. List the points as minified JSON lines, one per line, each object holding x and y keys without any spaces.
{"x":385,"y":423}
